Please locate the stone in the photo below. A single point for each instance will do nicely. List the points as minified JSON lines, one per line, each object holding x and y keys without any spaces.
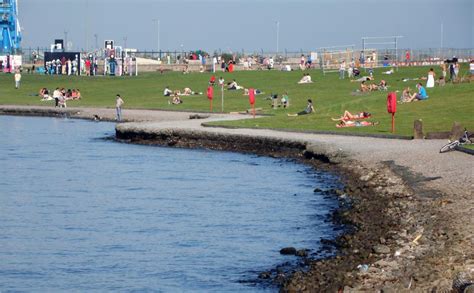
{"x":418,"y":129}
{"x":381,"y":249}
{"x":264,"y":275}
{"x":301,"y":253}
{"x":288,"y":251}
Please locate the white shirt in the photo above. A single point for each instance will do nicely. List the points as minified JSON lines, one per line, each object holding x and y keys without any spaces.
{"x":56,"y":94}
{"x":119,"y":103}
{"x":17,"y":76}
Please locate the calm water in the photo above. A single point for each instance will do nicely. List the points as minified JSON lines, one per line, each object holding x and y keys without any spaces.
{"x":78,"y":212}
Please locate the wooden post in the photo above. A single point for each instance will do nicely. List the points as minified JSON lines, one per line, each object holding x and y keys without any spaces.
{"x":418,"y":129}
{"x":393,"y":122}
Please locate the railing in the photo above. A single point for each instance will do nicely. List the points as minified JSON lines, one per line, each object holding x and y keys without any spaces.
{"x":177,"y":57}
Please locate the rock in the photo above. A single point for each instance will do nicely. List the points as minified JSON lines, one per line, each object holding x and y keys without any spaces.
{"x":382,"y":240}
{"x":367,"y":176}
{"x":339,"y":192}
{"x":301,"y":253}
{"x":288,"y":251}
{"x":264,"y":275}
{"x":418,"y":129}
{"x":317,"y":190}
{"x":381,"y":249}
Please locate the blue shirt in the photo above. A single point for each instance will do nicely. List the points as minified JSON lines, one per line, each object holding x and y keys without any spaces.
{"x":422,"y":92}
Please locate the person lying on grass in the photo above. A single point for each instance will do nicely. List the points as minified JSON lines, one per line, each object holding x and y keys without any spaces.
{"x":368,"y":87}
{"x":233,"y":86}
{"x":188,"y":92}
{"x":363,"y":79}
{"x":256,"y":91}
{"x":309,"y":109}
{"x":351,"y":123}
{"x":349,"y":116}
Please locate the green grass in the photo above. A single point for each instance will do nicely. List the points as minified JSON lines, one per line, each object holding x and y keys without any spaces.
{"x":331,"y":97}
{"x":468,"y":146}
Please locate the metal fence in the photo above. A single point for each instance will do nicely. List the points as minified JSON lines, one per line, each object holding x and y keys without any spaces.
{"x":174,"y":57}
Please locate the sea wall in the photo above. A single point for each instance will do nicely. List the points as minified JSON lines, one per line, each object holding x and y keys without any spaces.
{"x":380,"y":211}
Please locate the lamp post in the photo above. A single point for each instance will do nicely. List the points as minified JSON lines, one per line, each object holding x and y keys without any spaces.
{"x":96,"y":41}
{"x":158,"y":29}
{"x":65,"y":40}
{"x":278,"y":36}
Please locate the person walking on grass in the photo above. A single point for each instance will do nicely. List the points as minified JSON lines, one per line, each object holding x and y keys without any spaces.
{"x":118,"y":106}
{"x":17,"y":79}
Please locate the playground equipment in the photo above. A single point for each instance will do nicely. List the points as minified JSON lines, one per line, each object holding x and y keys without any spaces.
{"x":119,"y":62}
{"x":331,"y":57}
{"x":10,"y":27}
{"x":379,"y":52}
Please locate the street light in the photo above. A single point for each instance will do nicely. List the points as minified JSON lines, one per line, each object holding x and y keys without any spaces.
{"x":278,"y":35}
{"x":65,"y":40}
{"x":158,"y":28}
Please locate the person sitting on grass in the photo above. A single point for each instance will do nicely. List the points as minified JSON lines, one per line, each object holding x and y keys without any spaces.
{"x":383,"y":85}
{"x":305,"y":79}
{"x":176,"y":100}
{"x":351,"y":123}
{"x":212,"y":80}
{"x":167,"y":92}
{"x":363,"y":87}
{"x":285,"y":101}
{"x":349,"y":116}
{"x":441,"y":81}
{"x":420,"y":96}
{"x":309,"y":109}
{"x":406,"y":96}
{"x":76,"y":94}
{"x":44,"y":94}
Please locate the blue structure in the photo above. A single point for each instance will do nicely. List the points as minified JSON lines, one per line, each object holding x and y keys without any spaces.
{"x":10,"y":32}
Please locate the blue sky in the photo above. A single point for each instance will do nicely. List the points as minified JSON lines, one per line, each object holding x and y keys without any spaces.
{"x":247,"y":24}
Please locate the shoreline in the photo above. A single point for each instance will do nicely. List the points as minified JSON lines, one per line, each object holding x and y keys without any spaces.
{"x":405,"y":232}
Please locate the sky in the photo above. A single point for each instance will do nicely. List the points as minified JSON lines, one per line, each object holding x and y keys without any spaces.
{"x":250,"y":25}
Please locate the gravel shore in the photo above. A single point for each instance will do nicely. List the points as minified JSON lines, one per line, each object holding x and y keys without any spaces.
{"x":413,"y":207}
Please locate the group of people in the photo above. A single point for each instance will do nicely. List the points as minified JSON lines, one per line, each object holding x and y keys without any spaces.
{"x":175,"y":96}
{"x":60,"y":95}
{"x":370,"y":87}
{"x":62,"y":67}
{"x":280,"y":101}
{"x":407,"y":96}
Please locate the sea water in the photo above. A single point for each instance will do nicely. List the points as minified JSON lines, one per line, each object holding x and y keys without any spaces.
{"x":82,"y":213}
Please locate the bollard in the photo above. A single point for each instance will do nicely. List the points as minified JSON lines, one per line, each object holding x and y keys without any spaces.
{"x":418,"y":129}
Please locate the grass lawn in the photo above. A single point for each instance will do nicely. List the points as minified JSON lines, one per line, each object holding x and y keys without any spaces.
{"x":468,"y":146}
{"x":330,"y":95}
